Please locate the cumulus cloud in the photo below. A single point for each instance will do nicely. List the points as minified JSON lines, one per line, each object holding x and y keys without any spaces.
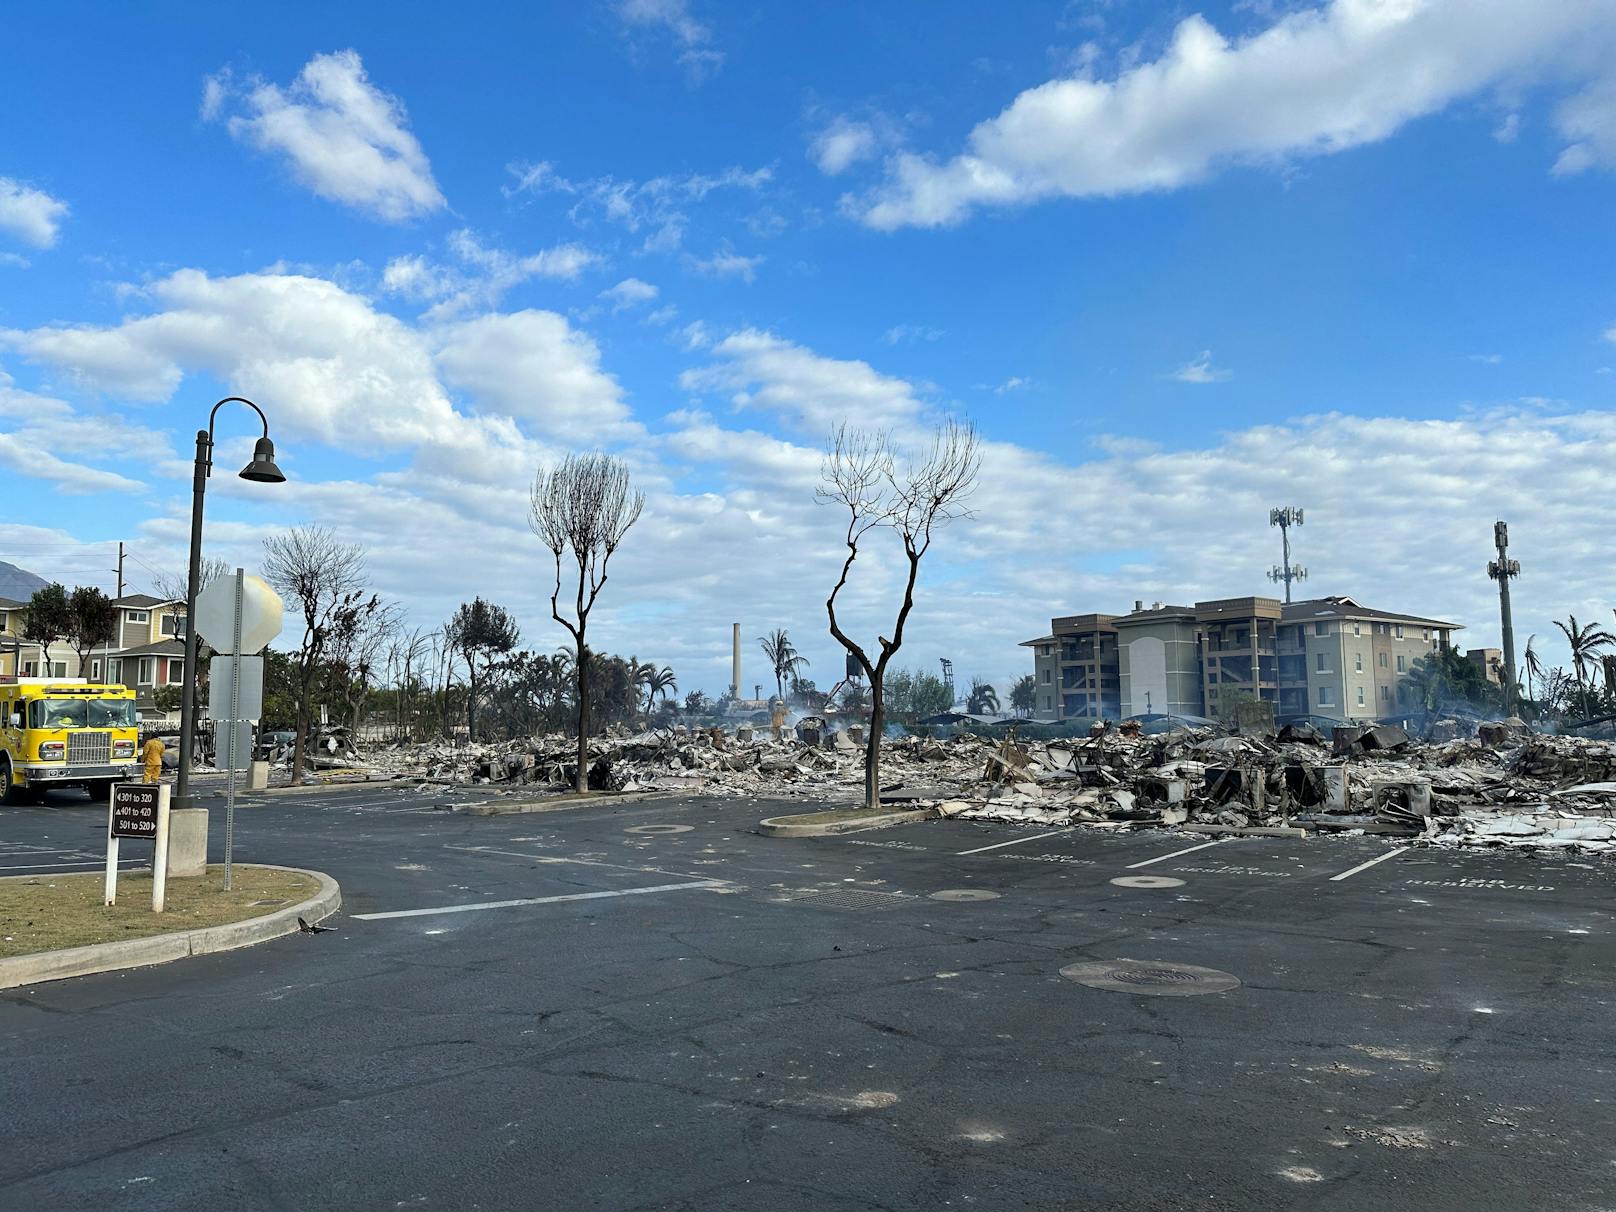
{"x":483,"y":275}
{"x":841,"y":145}
{"x":630,"y":292}
{"x":725,"y":263}
{"x":1315,"y":82}
{"x":1200,"y":370}
{"x":674,"y":19}
{"x":31,"y":215}
{"x":343,"y":137}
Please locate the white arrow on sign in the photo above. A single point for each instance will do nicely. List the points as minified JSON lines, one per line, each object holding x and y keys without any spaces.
{"x":261,"y":614}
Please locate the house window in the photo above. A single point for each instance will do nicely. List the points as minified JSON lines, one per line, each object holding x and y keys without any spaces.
{"x":1357,"y":662}
{"x":146,"y":671}
{"x":1360,"y":696}
{"x":1385,"y":693}
{"x":1425,"y":633}
{"x":173,"y":625}
{"x":115,"y":670}
{"x":1402,"y":664}
{"x":1320,"y":659}
{"x":137,"y":616}
{"x":5,"y":621}
{"x":1047,"y":702}
{"x":176,"y":672}
{"x":1357,"y":629}
{"x":1046,"y":675}
{"x":95,"y":670}
{"x":1321,"y":629}
{"x":1326,"y":696}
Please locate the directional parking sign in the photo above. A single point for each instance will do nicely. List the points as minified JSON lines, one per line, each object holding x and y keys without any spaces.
{"x":134,"y":810}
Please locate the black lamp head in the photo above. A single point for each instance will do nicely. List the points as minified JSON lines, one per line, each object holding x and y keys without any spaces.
{"x":262,"y":468}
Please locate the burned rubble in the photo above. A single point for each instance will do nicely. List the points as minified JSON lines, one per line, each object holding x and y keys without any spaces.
{"x":1506,"y":785}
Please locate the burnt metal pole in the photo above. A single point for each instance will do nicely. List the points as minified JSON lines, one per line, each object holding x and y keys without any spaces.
{"x":1501,"y":570}
{"x":262,"y":469}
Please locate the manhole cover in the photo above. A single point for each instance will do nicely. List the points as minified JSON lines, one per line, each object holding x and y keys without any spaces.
{"x":1150,"y":977}
{"x":850,"y":898}
{"x":659,"y":829}
{"x":1147,"y":881}
{"x":965,"y":894}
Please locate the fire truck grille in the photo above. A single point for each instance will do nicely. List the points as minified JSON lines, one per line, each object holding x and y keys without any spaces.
{"x":89,"y":748}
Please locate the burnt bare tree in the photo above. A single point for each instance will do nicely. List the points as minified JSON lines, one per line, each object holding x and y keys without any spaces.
{"x":861,"y":474}
{"x":170,"y":586}
{"x":581,"y":510}
{"x":322,"y":581}
{"x":480,"y":633}
{"x":357,"y":647}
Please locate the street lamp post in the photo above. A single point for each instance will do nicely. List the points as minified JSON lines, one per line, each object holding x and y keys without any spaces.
{"x":263,"y":470}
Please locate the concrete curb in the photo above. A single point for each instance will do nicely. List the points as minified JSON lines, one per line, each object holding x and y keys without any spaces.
{"x":45,"y":966}
{"x":558,"y":803}
{"x":311,"y":788}
{"x":773,"y":827}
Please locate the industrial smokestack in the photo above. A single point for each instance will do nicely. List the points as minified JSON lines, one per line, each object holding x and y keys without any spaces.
{"x":735,"y":674}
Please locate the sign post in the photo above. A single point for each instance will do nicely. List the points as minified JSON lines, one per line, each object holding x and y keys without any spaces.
{"x":139,"y":810}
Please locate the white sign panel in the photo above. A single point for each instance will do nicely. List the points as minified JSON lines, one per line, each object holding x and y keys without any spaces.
{"x":261,"y":613}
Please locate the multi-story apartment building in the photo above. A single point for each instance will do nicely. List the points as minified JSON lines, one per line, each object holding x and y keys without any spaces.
{"x":148,"y":651}
{"x":1329,"y":657}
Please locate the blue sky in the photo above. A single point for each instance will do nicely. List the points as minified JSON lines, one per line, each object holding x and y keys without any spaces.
{"x":1178,"y":264}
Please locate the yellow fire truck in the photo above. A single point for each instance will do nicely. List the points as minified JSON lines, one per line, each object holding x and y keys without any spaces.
{"x":65,"y":732}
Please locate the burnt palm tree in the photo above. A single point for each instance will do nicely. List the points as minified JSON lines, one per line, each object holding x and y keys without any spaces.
{"x":784,"y":659}
{"x":659,"y":682}
{"x":1586,"y":644}
{"x":1532,"y":666}
{"x":984,"y":699}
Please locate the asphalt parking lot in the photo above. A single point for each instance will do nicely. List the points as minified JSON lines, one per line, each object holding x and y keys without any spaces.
{"x":647,"y":1005}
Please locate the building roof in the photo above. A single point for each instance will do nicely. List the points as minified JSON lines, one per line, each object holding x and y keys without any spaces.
{"x":1043,"y":639}
{"x":168,"y":648}
{"x":1156,"y":614}
{"x":141,"y":601}
{"x":12,"y":604}
{"x":1346,"y":608}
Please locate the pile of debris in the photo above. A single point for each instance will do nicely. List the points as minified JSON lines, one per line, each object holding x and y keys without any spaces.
{"x":1507,"y":785}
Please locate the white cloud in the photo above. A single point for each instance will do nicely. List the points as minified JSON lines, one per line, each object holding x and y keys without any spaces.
{"x":345,"y":139}
{"x":1013,"y":383}
{"x":630,"y":292}
{"x":1509,"y":129}
{"x":31,"y":215}
{"x":726,"y":263}
{"x":841,"y":145}
{"x":673,"y":17}
{"x":1315,"y":82}
{"x":1610,"y":333}
{"x":807,"y":390}
{"x":658,"y":206}
{"x":483,"y":276}
{"x":1491,"y":359}
{"x":901,"y":333}
{"x":1200,"y":370}
{"x":538,"y":369}
{"x":1589,"y":121}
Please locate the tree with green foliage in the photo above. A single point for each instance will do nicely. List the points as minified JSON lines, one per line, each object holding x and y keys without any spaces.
{"x":92,"y":622}
{"x":783,"y":658}
{"x":480,"y":633}
{"x":1024,"y":694}
{"x":984,"y":699}
{"x":50,"y":618}
{"x":1586,"y":643}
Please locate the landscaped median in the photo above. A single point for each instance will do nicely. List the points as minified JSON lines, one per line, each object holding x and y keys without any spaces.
{"x":840,"y":820}
{"x":55,"y":926}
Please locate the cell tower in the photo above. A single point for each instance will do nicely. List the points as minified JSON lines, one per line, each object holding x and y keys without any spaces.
{"x":1501,"y":570}
{"x":1287,"y":572}
{"x":948,"y":678}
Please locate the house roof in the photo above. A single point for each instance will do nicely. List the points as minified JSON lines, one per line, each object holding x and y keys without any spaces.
{"x":1043,"y":639}
{"x":12,"y":604}
{"x":168,"y":648}
{"x":141,"y":601}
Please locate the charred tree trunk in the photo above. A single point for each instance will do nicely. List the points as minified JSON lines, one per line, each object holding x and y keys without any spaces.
{"x":872,"y":755}
{"x":581,"y":782}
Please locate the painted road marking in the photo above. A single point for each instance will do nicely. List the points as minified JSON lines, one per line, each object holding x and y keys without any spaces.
{"x":1361,"y":866}
{"x":538,"y":900}
{"x":46,"y":866}
{"x":1162,"y":858}
{"x":1016,"y":841}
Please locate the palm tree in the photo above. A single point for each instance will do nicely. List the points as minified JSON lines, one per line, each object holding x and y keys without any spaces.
{"x":1585,"y":643}
{"x":984,"y":699}
{"x":1024,"y":694}
{"x":1532,"y":666}
{"x":783,"y":658}
{"x":659,"y":682}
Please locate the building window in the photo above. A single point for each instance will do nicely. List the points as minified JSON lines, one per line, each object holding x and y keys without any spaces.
{"x":1047,"y":703}
{"x":1321,"y":629}
{"x":1399,"y":631}
{"x":95,"y":670}
{"x":115,"y":670}
{"x":1383,"y":660}
{"x":1046,"y":678}
{"x":137,"y":616}
{"x":1385,"y":693}
{"x":1357,"y":662}
{"x":1320,"y":659}
{"x":1425,"y":633}
{"x":176,"y":671}
{"x":1357,"y":629}
{"x":1360,"y":696}
{"x":173,"y":625}
{"x":1402,"y":663}
{"x":1326,"y":696}
{"x":146,"y":671}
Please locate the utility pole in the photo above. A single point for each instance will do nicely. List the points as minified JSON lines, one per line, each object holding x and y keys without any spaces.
{"x":119,"y":571}
{"x":948,"y":678}
{"x":1287,"y":572}
{"x":1501,"y":570}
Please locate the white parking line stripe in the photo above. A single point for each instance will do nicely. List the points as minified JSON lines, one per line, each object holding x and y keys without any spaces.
{"x":43,"y":866}
{"x":1016,"y":841}
{"x":1380,"y":859}
{"x":1161,"y":858}
{"x":538,"y":900}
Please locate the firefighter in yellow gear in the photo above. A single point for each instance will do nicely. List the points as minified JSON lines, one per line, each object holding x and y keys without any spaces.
{"x":151,"y":755}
